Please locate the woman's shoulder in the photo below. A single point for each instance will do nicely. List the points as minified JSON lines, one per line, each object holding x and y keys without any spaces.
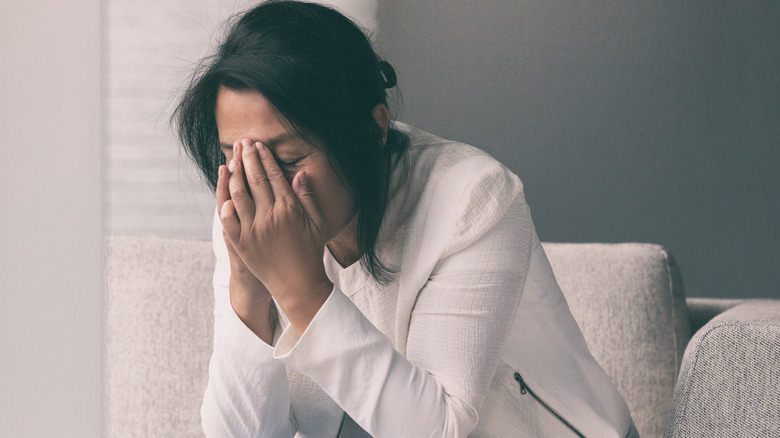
{"x":464,"y":183}
{"x":429,"y":153}
{"x":430,"y":158}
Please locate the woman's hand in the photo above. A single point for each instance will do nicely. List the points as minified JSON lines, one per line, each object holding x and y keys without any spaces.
{"x":249,"y":298}
{"x":277,"y":230}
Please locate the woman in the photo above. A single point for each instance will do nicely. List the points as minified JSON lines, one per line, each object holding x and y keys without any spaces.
{"x":371,"y":278}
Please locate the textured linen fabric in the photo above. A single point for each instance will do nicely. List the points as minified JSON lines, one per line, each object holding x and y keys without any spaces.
{"x":157,"y":334}
{"x":729,"y":385}
{"x":474,"y":301}
{"x":628,"y":300}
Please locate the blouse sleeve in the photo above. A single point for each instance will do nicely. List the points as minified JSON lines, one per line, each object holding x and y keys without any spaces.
{"x":247,"y":393}
{"x":456,"y":333}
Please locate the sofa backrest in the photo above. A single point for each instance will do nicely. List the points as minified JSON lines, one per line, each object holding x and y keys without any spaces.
{"x":628,"y":301}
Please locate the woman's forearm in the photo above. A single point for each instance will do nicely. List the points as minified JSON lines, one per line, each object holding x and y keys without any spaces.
{"x":231,"y":406}
{"x":356,"y":365}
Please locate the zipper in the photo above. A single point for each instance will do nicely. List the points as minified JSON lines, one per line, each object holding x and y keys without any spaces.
{"x":524,"y":389}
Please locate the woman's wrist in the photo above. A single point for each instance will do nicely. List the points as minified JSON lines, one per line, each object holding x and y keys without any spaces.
{"x":255,"y":310}
{"x":301,"y":307}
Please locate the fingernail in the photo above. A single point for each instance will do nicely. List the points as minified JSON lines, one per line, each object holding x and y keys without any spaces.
{"x":232,"y":165}
{"x":302,"y":179}
{"x":258,"y":145}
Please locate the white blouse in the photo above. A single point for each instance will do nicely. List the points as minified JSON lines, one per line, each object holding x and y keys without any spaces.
{"x":473,"y":336}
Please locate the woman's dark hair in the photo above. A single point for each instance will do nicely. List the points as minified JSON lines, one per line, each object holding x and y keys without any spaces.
{"x":321,"y":73}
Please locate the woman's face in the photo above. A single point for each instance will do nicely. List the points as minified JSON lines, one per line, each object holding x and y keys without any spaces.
{"x":248,"y":114}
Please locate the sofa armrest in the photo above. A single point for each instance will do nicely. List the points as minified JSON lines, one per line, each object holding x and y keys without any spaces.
{"x":702,"y":310}
{"x":730,"y":376}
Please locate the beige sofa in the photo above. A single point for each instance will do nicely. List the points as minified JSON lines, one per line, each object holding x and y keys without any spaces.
{"x":628,"y":299}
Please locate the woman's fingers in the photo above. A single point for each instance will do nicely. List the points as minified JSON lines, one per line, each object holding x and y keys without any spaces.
{"x":256,"y":176}
{"x":239,"y":194}
{"x":303,"y":191}
{"x":227,"y":212}
{"x":223,"y":191}
{"x":231,"y":227}
{"x":278,"y":183}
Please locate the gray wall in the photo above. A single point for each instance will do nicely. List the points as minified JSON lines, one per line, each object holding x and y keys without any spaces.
{"x":627,"y":121}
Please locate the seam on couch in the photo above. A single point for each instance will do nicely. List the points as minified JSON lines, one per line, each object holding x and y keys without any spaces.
{"x":677,"y":359}
{"x":682,"y":381}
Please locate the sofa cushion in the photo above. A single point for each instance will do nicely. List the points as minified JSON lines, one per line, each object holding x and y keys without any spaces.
{"x":158,"y":334}
{"x":730,"y":378}
{"x":628,"y":301}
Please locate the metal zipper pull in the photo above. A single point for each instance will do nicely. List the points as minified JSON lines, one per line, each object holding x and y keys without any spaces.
{"x":519,"y":379}
{"x":525,"y":389}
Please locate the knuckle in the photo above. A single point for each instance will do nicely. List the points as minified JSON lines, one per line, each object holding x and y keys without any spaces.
{"x":238,"y":193}
{"x":288,"y":207}
{"x":275,"y":174}
{"x":269,"y":220}
{"x":228,"y":225}
{"x":257,"y":178}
